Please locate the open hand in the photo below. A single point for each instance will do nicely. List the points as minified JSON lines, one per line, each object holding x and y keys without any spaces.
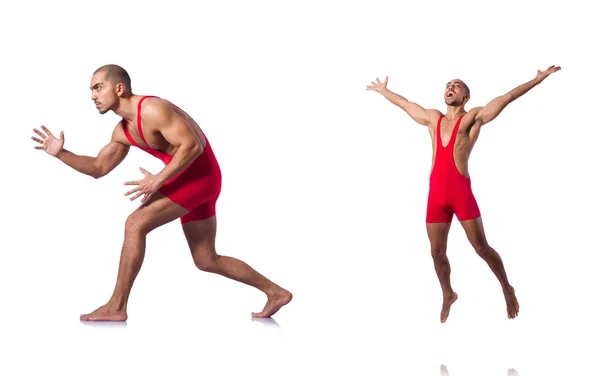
{"x":541,"y":76}
{"x":378,"y":86}
{"x":147,"y":186}
{"x":50,"y":144}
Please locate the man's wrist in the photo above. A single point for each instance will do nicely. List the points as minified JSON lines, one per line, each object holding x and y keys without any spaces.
{"x":160,"y":178}
{"x":539,"y":79}
{"x":61,"y":151}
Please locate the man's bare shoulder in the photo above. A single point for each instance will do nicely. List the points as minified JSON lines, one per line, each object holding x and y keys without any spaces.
{"x":433,"y":115}
{"x":434,"y":112}
{"x":118,"y":134}
{"x":469,"y":118}
{"x":156,"y":111}
{"x":474,"y":111}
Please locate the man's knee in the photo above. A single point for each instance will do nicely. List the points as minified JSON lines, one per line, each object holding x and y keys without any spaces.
{"x":438,"y":250}
{"x":137,"y":223}
{"x":206,"y":261}
{"x":481,"y":247}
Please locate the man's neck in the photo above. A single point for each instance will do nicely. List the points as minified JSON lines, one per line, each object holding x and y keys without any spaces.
{"x":127,"y":108}
{"x":453,"y":112}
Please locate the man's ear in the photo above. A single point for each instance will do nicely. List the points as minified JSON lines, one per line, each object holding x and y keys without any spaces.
{"x":120,"y":89}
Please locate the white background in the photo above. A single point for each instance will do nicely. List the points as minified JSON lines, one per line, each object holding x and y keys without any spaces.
{"x":324,"y":189}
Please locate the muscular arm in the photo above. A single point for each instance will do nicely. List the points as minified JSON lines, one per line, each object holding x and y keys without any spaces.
{"x":415,"y":111}
{"x":178,"y":134}
{"x":493,"y":109}
{"x":108,"y":158}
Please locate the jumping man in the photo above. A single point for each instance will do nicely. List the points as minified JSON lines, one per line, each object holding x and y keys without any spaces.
{"x":453,"y":136}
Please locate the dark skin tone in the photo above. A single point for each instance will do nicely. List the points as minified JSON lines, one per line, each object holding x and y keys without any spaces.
{"x":456,"y":97}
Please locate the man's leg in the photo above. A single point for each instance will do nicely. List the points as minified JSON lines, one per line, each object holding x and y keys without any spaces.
{"x":155,"y":213}
{"x":476,"y":235}
{"x":438,"y":237}
{"x":201,"y":235}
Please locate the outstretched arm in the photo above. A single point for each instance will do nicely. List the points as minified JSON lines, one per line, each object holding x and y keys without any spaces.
{"x":108,"y":158}
{"x":415,"y":111}
{"x":493,"y":109}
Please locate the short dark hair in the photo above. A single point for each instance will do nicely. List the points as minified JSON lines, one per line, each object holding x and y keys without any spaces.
{"x":117,"y":75}
{"x":467,"y":90}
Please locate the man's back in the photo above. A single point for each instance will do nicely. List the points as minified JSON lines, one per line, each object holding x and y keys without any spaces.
{"x":153,"y":117}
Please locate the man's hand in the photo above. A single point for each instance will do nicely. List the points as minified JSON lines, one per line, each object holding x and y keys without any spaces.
{"x":415,"y":111}
{"x":147,"y":186}
{"x":378,"y":86}
{"x":497,"y":105}
{"x":50,"y":144}
{"x":541,"y":76}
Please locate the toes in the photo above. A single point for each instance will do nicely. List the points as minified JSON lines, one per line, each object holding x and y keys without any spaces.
{"x":259,"y":314}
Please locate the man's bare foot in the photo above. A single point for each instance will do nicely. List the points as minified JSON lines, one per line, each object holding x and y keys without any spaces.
{"x":274,"y":303}
{"x":512,"y":304}
{"x":105,"y":313}
{"x":446,"y":307}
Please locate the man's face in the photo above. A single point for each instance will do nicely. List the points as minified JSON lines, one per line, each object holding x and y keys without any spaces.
{"x":455,"y":93}
{"x":104,"y":92}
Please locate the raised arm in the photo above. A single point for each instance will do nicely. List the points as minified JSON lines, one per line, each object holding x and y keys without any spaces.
{"x":415,"y":111}
{"x":493,"y":109}
{"x":109,"y":157}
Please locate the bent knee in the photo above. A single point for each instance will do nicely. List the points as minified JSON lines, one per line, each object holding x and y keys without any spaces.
{"x":136,"y":223}
{"x":207,"y":263}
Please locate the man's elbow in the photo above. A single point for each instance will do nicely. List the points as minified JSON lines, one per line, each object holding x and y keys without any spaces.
{"x":98,"y":173}
{"x":195,"y":148}
{"x":97,"y":170}
{"x":507,"y":98}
